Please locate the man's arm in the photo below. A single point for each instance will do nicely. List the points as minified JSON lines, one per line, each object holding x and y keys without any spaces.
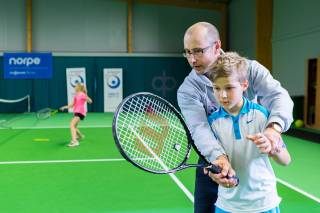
{"x":272,"y":95}
{"x":275,"y":98}
{"x":196,"y":118}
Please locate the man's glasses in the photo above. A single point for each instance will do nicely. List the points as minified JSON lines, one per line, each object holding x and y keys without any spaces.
{"x":196,"y":52}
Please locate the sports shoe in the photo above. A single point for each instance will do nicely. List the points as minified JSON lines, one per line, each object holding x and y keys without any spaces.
{"x":73,"y":143}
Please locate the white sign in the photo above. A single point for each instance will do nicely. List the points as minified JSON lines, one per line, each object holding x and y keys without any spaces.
{"x":74,"y":76}
{"x":113,"y":88}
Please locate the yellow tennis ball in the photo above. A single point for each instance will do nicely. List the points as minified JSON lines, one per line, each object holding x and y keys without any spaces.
{"x":298,"y":123}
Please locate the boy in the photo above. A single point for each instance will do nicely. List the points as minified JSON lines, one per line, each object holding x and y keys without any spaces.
{"x":238,"y":125}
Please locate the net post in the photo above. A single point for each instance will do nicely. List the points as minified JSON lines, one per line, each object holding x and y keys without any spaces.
{"x":28,"y":103}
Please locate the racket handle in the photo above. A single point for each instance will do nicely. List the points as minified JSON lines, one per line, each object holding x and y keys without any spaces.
{"x":216,"y":170}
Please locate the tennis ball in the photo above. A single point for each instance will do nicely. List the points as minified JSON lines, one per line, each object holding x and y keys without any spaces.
{"x":298,"y":123}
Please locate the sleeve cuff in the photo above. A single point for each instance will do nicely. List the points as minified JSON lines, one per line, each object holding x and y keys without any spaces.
{"x":215,"y":154}
{"x":279,"y":121}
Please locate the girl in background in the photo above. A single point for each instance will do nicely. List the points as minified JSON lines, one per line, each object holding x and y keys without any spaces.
{"x":79,"y":110}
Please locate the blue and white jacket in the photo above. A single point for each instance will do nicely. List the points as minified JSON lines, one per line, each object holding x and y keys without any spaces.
{"x":257,"y":190}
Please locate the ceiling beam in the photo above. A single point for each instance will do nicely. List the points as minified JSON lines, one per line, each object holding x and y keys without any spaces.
{"x":29,"y":24}
{"x":188,"y":4}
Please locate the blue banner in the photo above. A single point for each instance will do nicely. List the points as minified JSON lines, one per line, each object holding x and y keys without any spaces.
{"x":27,"y":65}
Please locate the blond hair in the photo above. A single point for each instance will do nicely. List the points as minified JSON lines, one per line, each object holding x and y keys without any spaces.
{"x":81,"y":88}
{"x":228,"y":64}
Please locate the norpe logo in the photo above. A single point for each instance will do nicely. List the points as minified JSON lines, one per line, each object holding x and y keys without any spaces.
{"x":27,"y":65}
{"x":26,"y":61}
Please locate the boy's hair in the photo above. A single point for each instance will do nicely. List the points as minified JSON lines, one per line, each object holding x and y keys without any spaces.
{"x":227,"y":64}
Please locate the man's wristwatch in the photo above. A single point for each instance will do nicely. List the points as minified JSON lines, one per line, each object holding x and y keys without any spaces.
{"x":276,"y":127}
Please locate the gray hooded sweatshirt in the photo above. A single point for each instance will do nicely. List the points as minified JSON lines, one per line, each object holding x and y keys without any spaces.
{"x":197,"y":102}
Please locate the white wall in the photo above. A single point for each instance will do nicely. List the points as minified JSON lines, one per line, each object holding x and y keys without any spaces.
{"x":12,"y":25}
{"x":80,"y":25}
{"x":97,"y":26}
{"x":242,"y":27}
{"x":296,"y":38}
{"x":158,"y":28}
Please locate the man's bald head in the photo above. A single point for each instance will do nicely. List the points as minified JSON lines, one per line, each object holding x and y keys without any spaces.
{"x":203,"y":30}
{"x":202,"y":46}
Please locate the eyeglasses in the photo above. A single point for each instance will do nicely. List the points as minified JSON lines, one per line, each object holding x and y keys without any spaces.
{"x":196,"y":52}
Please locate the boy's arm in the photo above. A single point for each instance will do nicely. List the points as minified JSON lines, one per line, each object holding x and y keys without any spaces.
{"x":282,"y":157}
{"x":262,"y":142}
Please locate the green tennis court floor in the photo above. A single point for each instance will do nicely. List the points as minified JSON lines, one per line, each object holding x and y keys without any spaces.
{"x":39,"y":173}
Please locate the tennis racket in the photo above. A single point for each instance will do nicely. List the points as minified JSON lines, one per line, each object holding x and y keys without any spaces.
{"x":46,"y":113}
{"x":152,"y":135}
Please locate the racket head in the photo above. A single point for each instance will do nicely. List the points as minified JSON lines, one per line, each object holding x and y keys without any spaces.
{"x":46,"y":113}
{"x":145,"y":120}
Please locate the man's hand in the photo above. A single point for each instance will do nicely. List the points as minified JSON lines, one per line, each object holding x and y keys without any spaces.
{"x":226,"y":171}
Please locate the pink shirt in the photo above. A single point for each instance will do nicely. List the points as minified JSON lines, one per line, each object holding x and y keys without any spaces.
{"x":79,"y":102}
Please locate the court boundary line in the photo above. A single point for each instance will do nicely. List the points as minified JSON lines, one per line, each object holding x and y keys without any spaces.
{"x":60,"y":161}
{"x":58,"y":127}
{"x":171,"y":175}
{"x":312,"y":197}
{"x":298,"y":190}
{"x":163,"y":165}
{"x":182,"y":187}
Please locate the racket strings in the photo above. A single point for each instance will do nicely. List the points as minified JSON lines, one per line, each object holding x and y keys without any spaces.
{"x":145,"y":121}
{"x":135,"y":150}
{"x":126,"y":133}
{"x":44,"y":113}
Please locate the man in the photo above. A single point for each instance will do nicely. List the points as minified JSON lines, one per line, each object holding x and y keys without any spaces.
{"x":202,"y":47}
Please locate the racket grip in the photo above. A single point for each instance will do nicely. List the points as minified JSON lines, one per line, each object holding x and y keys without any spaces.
{"x":216,"y":170}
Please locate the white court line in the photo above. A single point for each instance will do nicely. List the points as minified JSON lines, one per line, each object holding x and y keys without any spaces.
{"x":58,"y":127}
{"x":164,"y":166}
{"x":182,"y":187}
{"x":176,"y":180}
{"x":59,"y":161}
{"x":299,"y":190}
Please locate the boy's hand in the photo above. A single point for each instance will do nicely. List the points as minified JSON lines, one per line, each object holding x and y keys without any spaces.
{"x":274,"y":138}
{"x":262,"y":142}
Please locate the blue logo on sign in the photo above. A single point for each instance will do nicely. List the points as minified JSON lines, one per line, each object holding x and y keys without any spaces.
{"x":27,"y":65}
{"x":76,"y":80}
{"x":113,"y":82}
